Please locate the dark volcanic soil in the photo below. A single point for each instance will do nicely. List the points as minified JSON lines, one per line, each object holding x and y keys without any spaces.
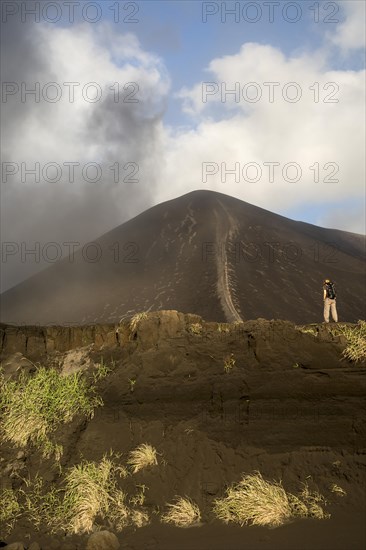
{"x":290,"y":407}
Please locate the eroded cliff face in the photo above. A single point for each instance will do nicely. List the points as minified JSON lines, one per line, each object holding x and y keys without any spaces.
{"x":34,"y":341}
{"x":37,"y":341}
{"x":267,"y":340}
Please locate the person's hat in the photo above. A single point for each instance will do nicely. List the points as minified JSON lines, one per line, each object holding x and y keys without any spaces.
{"x":327,"y":280}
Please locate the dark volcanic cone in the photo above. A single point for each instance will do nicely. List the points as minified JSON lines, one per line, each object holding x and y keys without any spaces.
{"x":204,"y":253}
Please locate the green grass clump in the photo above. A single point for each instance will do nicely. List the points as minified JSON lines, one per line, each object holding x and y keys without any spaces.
{"x":354,"y":335}
{"x":34,"y":406}
{"x":103,"y":370}
{"x":43,"y":507}
{"x":255,"y":501}
{"x":10,"y":509}
{"x":356,"y":340}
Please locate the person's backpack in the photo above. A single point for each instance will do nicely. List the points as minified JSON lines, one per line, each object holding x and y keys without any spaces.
{"x":331,"y":292}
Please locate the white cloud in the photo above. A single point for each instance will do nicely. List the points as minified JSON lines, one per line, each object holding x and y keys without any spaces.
{"x":350,"y":34}
{"x":88,"y":54}
{"x":306,"y":132}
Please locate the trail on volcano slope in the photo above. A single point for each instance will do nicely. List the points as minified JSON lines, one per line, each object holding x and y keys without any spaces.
{"x":224,"y":235}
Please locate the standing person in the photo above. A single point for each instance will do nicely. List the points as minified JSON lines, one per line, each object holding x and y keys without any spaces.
{"x":329,"y":298}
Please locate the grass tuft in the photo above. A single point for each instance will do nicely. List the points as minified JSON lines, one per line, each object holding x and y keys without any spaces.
{"x":140,"y":518}
{"x":183,"y":513}
{"x":43,"y":507}
{"x":307,"y":329}
{"x":314,"y":502}
{"x":34,"y":406}
{"x":103,"y":370}
{"x":356,"y":340}
{"x":338,"y":490}
{"x":144,"y":455}
{"x":355,"y":336}
{"x":89,"y":491}
{"x":255,"y":501}
{"x":229,"y":362}
{"x":10,"y":510}
{"x":136,"y":319}
{"x":139,"y":498}
{"x":195,"y":328}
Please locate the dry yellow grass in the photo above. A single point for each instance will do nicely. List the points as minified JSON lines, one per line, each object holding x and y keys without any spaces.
{"x":89,"y":491}
{"x":183,"y":513}
{"x":144,"y":455}
{"x":354,"y":335}
{"x":356,"y":341}
{"x":229,"y":362}
{"x":139,"y":518}
{"x":135,"y":321}
{"x":255,"y":501}
{"x":195,"y":328}
{"x":338,"y":490}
